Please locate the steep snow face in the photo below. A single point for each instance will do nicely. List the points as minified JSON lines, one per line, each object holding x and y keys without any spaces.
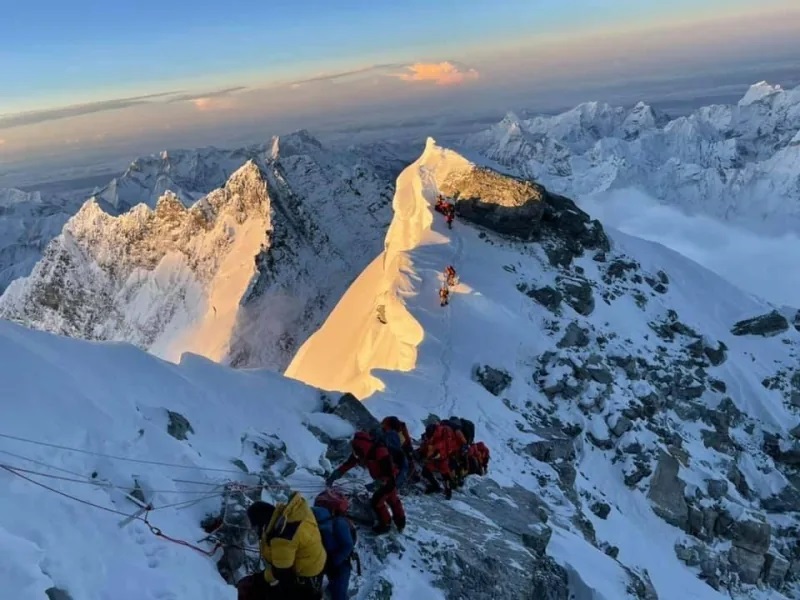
{"x":182,"y":431}
{"x":331,"y":211}
{"x":243,"y":276}
{"x":198,"y":442}
{"x":28,"y":221}
{"x":732,"y":162}
{"x":624,"y":387}
{"x":168,"y":279}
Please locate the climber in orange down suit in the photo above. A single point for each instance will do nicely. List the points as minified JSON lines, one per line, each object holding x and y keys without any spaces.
{"x":450,"y":275}
{"x":444,"y":296}
{"x":478,"y":459}
{"x":439,"y":451}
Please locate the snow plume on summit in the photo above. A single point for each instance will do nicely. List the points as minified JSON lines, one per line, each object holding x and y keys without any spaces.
{"x":242,"y":275}
{"x":738,"y":163}
{"x":640,"y":410}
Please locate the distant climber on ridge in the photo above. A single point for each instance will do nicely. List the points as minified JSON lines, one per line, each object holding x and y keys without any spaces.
{"x":375,"y":457}
{"x":444,"y":296}
{"x":445,"y":208}
{"x":450,"y":275}
{"x":449,"y":215}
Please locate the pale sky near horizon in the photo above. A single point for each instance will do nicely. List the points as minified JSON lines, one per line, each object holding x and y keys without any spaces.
{"x":74,"y":74}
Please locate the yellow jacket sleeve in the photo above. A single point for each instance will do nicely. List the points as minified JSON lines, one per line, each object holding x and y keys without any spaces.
{"x":283,"y":553}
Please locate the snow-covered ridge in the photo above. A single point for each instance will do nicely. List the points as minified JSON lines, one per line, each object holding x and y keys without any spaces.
{"x":620,"y":383}
{"x":169,"y":279}
{"x":737,"y":162}
{"x":243,"y":275}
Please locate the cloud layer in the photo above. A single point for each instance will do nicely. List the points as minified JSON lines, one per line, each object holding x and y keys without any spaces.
{"x":763,"y":266}
{"x":442,"y":73}
{"x":77,"y":110}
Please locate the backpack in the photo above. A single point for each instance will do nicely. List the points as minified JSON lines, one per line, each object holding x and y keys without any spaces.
{"x":392,"y":442}
{"x":465,"y":426}
{"x":336,"y":502}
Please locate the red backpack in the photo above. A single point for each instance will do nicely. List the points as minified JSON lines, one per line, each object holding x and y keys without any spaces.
{"x":336,"y":502}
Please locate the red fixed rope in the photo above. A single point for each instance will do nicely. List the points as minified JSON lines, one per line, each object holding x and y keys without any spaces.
{"x":158,"y":533}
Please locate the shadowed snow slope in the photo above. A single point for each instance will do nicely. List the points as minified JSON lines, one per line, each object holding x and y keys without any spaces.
{"x":28,"y":221}
{"x":738,"y":163}
{"x":608,"y":382}
{"x":113,"y":399}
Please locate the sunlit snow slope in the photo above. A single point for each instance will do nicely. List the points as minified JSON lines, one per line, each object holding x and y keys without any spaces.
{"x":629,"y":406}
{"x":236,"y":255}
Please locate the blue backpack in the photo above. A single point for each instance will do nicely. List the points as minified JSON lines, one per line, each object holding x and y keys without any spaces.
{"x":338,"y":536}
{"x":391,"y":440}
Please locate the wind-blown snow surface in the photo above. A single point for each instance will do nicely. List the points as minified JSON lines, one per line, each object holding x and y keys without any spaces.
{"x":740,"y":163}
{"x":423,"y":361}
{"x":113,"y":400}
{"x":242,"y":276}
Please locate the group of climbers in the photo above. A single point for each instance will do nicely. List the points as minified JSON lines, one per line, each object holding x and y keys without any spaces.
{"x":450,"y":280}
{"x":448,"y":209}
{"x":447,"y":448}
{"x":301,"y":544}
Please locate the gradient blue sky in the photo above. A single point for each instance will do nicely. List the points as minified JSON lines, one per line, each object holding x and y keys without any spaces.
{"x":56,"y":54}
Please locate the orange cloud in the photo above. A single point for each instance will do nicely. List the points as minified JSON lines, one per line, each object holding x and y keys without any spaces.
{"x":2,"y":141}
{"x":443,"y":73}
{"x":210,"y":103}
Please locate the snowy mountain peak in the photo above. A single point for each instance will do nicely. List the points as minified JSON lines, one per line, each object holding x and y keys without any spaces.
{"x":169,"y":202}
{"x":11,"y":196}
{"x":646,"y":403}
{"x":296,"y":143}
{"x":510,"y":122}
{"x":168,"y":278}
{"x":734,"y":162}
{"x":758,"y":92}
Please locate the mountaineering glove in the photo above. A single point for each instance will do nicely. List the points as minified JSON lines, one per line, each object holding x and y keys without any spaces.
{"x":337,"y":474}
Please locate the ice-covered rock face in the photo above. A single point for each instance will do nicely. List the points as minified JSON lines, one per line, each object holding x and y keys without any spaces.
{"x":28,"y":221}
{"x":735,"y":162}
{"x":150,"y":276}
{"x":637,"y":396}
{"x":243,"y":276}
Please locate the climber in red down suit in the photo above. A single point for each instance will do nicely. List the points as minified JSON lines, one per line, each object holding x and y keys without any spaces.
{"x":478,"y":459}
{"x":376,"y":459}
{"x":439,"y":452}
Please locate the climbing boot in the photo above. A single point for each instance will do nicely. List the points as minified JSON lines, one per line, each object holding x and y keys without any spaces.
{"x":432,"y":488}
{"x":381,"y":528}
